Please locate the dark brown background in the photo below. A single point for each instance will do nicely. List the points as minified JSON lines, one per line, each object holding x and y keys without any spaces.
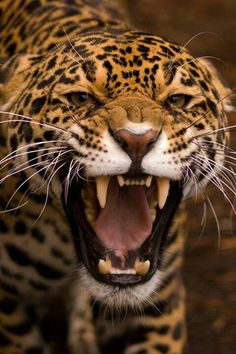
{"x":210,"y":266}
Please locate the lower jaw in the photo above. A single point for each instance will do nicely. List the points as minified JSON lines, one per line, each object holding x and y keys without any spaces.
{"x":119,"y":297}
{"x":90,"y":250}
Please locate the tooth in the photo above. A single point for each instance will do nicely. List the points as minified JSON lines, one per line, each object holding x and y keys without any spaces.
{"x":104,"y":266}
{"x":122,"y":271}
{"x":141,"y":267}
{"x":163,"y":186}
{"x":102,"y":183}
{"x":148,"y":181}
{"x":120,"y":181}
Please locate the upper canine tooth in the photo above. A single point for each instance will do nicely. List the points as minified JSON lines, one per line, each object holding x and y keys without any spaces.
{"x":148,"y":181}
{"x":163,"y":186}
{"x":141,"y":267}
{"x":121,"y":181}
{"x":102,"y":183}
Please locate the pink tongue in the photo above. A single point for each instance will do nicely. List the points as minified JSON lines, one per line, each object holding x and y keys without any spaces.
{"x":125,"y":222}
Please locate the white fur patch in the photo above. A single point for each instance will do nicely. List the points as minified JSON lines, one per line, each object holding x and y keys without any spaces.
{"x":159,"y":163}
{"x":113,"y":161}
{"x":117,"y":297}
{"x":138,"y":128}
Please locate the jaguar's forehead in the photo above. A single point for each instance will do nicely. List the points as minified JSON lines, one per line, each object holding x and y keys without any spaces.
{"x":119,"y":63}
{"x":127,"y":50}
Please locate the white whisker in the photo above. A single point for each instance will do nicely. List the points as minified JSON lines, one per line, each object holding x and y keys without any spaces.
{"x":8,"y":160}
{"x":16,"y":167}
{"x":228,"y":128}
{"x":212,"y":178}
{"x":31,"y":121}
{"x":13,"y":209}
{"x":216,"y":220}
{"x":25,"y":181}
{"x":187,"y":43}
{"x":29,"y":145}
{"x":47,"y":191}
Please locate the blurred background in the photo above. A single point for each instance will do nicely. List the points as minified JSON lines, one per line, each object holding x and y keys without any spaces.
{"x":210,"y":264}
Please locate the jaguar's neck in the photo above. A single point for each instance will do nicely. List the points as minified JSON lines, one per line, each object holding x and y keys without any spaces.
{"x":36,"y":26}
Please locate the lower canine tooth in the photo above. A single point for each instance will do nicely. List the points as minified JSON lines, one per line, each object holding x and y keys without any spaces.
{"x":142,"y":267}
{"x":102,"y":183}
{"x":163,"y":186}
{"x":104,"y":266}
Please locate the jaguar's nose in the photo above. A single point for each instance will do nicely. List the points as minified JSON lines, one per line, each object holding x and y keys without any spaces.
{"x":136,"y":145}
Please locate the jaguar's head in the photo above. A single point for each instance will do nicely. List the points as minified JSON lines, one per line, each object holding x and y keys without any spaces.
{"x":121,"y":128}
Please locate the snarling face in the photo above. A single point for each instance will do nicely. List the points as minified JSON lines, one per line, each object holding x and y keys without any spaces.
{"x":132,"y":120}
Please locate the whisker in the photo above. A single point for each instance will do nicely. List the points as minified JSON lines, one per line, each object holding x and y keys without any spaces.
{"x":73,"y":117}
{"x":215,"y":181}
{"x":47,"y":191}
{"x":188,"y":42}
{"x":227,"y":158}
{"x":29,"y":145}
{"x":28,"y":162}
{"x":203,"y":223}
{"x":31,"y":121}
{"x":18,"y":171}
{"x":219,"y":144}
{"x":32,"y":151}
{"x":202,"y":57}
{"x":206,"y":159}
{"x":73,"y":47}
{"x":16,"y":208}
{"x":35,"y":173}
{"x":228,"y":128}
{"x":216,"y":220}
{"x":208,"y":112}
{"x":68,"y":178}
{"x":25,"y":181}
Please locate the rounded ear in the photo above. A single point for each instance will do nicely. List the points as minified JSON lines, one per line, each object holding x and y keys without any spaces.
{"x":13,"y":77}
{"x":219,"y":83}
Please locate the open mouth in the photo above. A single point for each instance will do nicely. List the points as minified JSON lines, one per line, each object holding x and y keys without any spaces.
{"x":120,"y":225}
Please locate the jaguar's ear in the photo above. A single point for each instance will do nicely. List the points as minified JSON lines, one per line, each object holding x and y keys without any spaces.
{"x":219,"y":83}
{"x":13,"y":77}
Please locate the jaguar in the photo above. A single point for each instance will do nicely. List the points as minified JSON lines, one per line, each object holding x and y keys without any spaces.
{"x":105,"y":131}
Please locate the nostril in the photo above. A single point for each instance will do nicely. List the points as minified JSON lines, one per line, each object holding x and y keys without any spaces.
{"x":152,"y":142}
{"x":120,"y":141}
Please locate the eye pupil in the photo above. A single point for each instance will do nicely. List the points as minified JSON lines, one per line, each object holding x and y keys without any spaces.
{"x":82,"y":96}
{"x":174,"y":99}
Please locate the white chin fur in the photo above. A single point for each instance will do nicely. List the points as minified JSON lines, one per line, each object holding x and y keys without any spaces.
{"x":116,"y":297}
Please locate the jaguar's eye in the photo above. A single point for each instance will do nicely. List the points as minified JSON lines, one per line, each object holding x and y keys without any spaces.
{"x":79,"y":98}
{"x":178,"y":101}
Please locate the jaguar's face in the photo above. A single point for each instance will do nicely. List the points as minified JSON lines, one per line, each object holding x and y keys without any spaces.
{"x":132,"y":118}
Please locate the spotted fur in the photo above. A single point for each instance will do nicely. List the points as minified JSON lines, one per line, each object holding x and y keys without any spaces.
{"x":52,"y":51}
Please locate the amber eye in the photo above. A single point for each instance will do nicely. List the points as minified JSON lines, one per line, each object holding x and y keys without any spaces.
{"x":79,"y":98}
{"x":178,"y":101}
